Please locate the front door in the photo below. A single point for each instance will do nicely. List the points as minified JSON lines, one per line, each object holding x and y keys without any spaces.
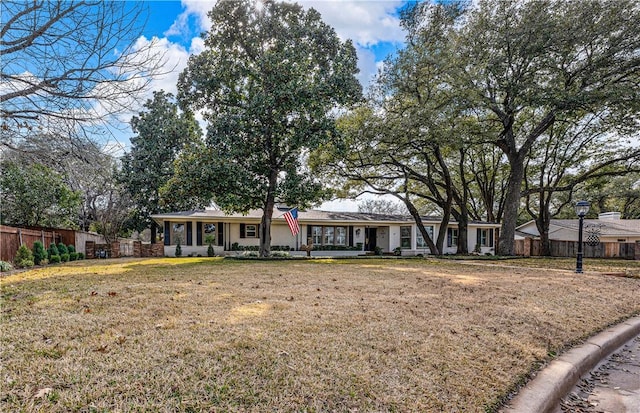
{"x":370,"y":235}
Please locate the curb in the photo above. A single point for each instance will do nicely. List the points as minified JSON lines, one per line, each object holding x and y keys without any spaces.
{"x":552,"y":383}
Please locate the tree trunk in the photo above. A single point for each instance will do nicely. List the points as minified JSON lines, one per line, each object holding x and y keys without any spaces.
{"x":512,"y":204}
{"x":265,"y":231}
{"x":416,"y":216}
{"x":267,"y":216}
{"x":463,"y":231}
{"x":542,"y":223}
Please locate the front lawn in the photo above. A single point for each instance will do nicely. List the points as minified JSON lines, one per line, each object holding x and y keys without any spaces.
{"x":203,"y":334}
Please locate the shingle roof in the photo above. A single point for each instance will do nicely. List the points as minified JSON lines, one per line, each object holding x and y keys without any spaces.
{"x":308,"y":216}
{"x":611,"y":227}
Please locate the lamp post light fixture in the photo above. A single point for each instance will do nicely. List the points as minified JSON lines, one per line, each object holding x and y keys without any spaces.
{"x":582,"y":207}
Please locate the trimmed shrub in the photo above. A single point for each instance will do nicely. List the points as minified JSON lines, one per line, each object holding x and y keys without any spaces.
{"x":81,"y":255}
{"x":64,"y":257}
{"x":280,"y":254}
{"x":62,"y":249}
{"x":73,"y":256}
{"x":5,"y":266}
{"x":71,"y":248}
{"x":54,"y":259}
{"x":178,"y":250}
{"x":53,"y":250}
{"x":39,"y":253}
{"x":24,"y":257}
{"x":210,"y":251}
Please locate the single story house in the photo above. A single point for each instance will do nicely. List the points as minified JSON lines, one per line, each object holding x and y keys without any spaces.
{"x":334,"y":233}
{"x":608,"y":228}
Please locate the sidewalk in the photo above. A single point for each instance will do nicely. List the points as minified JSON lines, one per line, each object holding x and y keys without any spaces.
{"x":615,"y":350}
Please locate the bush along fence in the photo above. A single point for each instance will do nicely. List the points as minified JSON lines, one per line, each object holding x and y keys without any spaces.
{"x":626,"y":250}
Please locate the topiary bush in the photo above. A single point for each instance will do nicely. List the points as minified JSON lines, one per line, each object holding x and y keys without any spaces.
{"x":24,"y":257}
{"x":81,"y":255}
{"x":53,"y":250}
{"x":71,"y":248}
{"x":73,"y":256}
{"x":54,"y":259}
{"x":178,"y":250}
{"x":64,"y":257}
{"x":210,"y":239}
{"x":62,"y":249}
{"x":39,"y":253}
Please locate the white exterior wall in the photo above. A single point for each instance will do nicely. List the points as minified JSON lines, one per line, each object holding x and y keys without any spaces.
{"x":358,"y":237}
{"x":387,"y":238}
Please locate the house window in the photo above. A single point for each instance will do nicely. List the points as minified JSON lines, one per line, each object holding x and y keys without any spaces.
{"x":177,"y":233}
{"x":322,"y":235}
{"x":328,"y":236}
{"x":420,"y":242}
{"x":316,"y":234}
{"x":341,"y":236}
{"x":251,"y":231}
{"x":452,"y":237}
{"x":485,"y":237}
{"x":405,"y":237}
{"x":209,"y":231}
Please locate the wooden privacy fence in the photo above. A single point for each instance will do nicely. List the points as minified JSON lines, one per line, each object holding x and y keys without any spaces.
{"x":12,"y":238}
{"x":627,"y":250}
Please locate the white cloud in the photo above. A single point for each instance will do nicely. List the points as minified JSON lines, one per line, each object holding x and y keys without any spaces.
{"x":365,"y":22}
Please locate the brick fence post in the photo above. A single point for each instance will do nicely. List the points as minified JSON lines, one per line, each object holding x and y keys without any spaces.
{"x":90,"y":249}
{"x":137,"y":249}
{"x":157,"y":250}
{"x":115,"y":249}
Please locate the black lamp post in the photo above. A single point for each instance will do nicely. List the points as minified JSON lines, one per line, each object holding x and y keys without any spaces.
{"x":582,"y":207}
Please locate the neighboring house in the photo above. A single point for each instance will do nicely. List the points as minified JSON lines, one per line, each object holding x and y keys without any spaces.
{"x":335,"y":233}
{"x":608,"y":227}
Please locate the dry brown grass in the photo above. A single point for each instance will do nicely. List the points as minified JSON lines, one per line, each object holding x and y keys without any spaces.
{"x":199,"y":334}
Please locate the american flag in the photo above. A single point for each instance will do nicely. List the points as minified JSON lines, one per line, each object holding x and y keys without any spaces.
{"x":291,"y":217}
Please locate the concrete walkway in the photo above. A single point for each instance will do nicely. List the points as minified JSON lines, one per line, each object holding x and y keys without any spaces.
{"x":555,"y":384}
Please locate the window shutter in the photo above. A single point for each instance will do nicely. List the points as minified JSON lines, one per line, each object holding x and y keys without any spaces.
{"x":351,"y":235}
{"x":198,"y":233}
{"x":479,"y":237}
{"x":449,"y":237}
{"x":189,"y":233}
{"x":167,"y":233}
{"x":242,"y":231}
{"x":220,"y":234}
{"x":491,"y":237}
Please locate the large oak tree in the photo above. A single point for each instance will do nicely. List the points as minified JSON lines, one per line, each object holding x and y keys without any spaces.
{"x":268,"y":83}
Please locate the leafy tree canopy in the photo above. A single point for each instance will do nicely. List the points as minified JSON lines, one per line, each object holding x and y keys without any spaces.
{"x":35,"y":195}
{"x":161,"y":134}
{"x":268,"y":83}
